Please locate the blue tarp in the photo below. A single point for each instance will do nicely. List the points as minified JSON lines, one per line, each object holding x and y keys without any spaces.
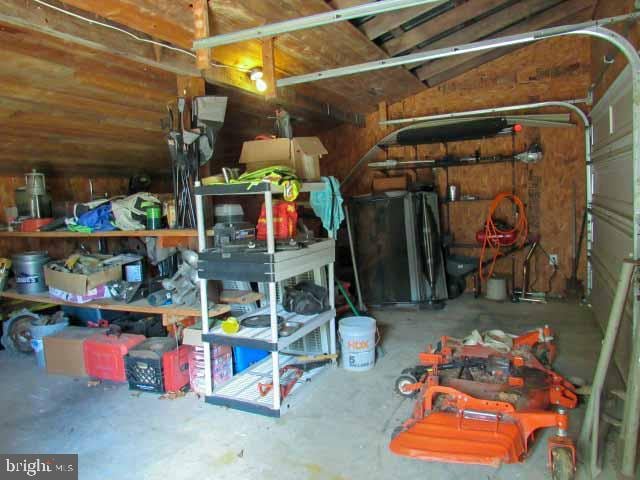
{"x":99,"y":219}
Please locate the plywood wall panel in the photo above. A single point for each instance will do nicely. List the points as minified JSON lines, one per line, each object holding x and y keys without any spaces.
{"x":557,"y":69}
{"x":71,"y":189}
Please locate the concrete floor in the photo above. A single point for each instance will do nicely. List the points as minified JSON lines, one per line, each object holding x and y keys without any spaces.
{"x":339,"y":430}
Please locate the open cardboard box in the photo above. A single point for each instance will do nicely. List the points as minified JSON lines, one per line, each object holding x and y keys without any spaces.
{"x":302,"y":154}
{"x":64,"y":351}
{"x":78,"y":283}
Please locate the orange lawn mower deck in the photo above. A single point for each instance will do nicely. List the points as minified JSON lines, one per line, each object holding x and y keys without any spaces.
{"x":482,"y":403}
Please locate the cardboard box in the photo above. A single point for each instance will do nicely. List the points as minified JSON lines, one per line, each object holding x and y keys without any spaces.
{"x":300,"y":153}
{"x":78,"y":283}
{"x":64,"y":351}
{"x":97,"y":293}
{"x":193,"y":335}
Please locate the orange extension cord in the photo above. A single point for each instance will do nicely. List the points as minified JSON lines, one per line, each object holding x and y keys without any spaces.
{"x":492,"y":233}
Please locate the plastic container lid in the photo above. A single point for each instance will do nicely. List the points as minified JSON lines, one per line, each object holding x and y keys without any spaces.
{"x":229,"y":213}
{"x":31,"y":256}
{"x":356,"y":325}
{"x":228,"y":209}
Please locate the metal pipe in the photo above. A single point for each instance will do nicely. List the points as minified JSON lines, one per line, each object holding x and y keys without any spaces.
{"x":273,"y":307}
{"x":592,"y":415}
{"x":204,"y":301}
{"x":332,"y":300}
{"x":311,"y":21}
{"x":356,"y":276}
{"x":484,"y":111}
{"x":421,"y":57}
{"x":525,"y":269}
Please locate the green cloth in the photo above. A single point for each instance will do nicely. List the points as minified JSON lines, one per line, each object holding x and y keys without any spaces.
{"x":79,"y":228}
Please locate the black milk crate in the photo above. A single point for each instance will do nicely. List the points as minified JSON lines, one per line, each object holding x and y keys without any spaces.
{"x":145,"y":374}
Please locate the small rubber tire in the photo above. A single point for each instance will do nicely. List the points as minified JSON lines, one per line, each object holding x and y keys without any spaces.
{"x":401,"y":381}
{"x":562,"y":467}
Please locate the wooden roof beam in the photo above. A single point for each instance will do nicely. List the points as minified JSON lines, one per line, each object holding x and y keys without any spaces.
{"x":383,"y":23}
{"x":439,"y":71}
{"x":315,"y":20}
{"x":439,"y":25}
{"x":496,"y":22}
{"x":201,"y":30}
{"x":269,"y":67}
{"x":27,"y":14}
{"x":387,"y":22}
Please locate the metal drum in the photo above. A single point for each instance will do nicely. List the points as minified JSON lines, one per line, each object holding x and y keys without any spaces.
{"x":28,"y":267}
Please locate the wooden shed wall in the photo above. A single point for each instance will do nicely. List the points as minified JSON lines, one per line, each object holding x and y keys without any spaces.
{"x":65,"y":189}
{"x":556,"y":69}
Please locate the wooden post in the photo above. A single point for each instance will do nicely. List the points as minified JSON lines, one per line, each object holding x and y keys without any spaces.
{"x":201,"y":30}
{"x":269,"y":67}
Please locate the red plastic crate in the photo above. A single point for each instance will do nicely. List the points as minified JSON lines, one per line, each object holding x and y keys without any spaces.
{"x":104,"y":355}
{"x":175,"y":367}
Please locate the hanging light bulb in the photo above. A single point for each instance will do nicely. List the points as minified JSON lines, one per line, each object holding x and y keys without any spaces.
{"x":256,"y":75}
{"x":261,"y":85}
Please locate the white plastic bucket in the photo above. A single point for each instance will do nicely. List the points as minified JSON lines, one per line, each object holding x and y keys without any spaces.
{"x":358,"y":342}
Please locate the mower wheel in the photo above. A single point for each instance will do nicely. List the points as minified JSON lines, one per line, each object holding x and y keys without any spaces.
{"x":562,"y":467}
{"x":404,"y":380}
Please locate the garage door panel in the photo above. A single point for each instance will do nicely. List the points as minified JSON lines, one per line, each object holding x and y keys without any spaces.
{"x":612,"y":117}
{"x":611,"y":207}
{"x":610,"y":247}
{"x":601,"y":299}
{"x":612,"y":189}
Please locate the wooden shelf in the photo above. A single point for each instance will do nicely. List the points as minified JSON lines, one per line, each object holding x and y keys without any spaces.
{"x":469,"y":200}
{"x":249,"y":189}
{"x":170,"y":313}
{"x":166,"y":237}
{"x":260,"y":338}
{"x":241,"y":392}
{"x":186,"y":233}
{"x":242,"y":297}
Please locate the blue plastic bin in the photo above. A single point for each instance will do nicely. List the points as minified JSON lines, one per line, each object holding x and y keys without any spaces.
{"x":244,"y":357}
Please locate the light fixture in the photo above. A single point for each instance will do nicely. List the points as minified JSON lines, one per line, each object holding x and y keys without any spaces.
{"x":255,"y":74}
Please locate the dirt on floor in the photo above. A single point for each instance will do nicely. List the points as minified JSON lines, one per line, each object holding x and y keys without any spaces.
{"x":338,"y":430}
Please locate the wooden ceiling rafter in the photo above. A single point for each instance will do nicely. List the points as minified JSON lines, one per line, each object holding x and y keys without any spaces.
{"x":29,"y":15}
{"x":493,"y":25}
{"x":297,"y":52}
{"x":456,"y":22}
{"x":568,"y":11}
{"x":440,"y":25}
{"x":391,"y":22}
{"x":79,"y":79}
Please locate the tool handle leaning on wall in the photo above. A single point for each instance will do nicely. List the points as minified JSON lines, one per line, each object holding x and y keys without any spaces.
{"x":588,"y":440}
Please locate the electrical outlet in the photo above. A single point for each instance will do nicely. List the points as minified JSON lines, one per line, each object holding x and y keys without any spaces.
{"x":553,"y":259}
